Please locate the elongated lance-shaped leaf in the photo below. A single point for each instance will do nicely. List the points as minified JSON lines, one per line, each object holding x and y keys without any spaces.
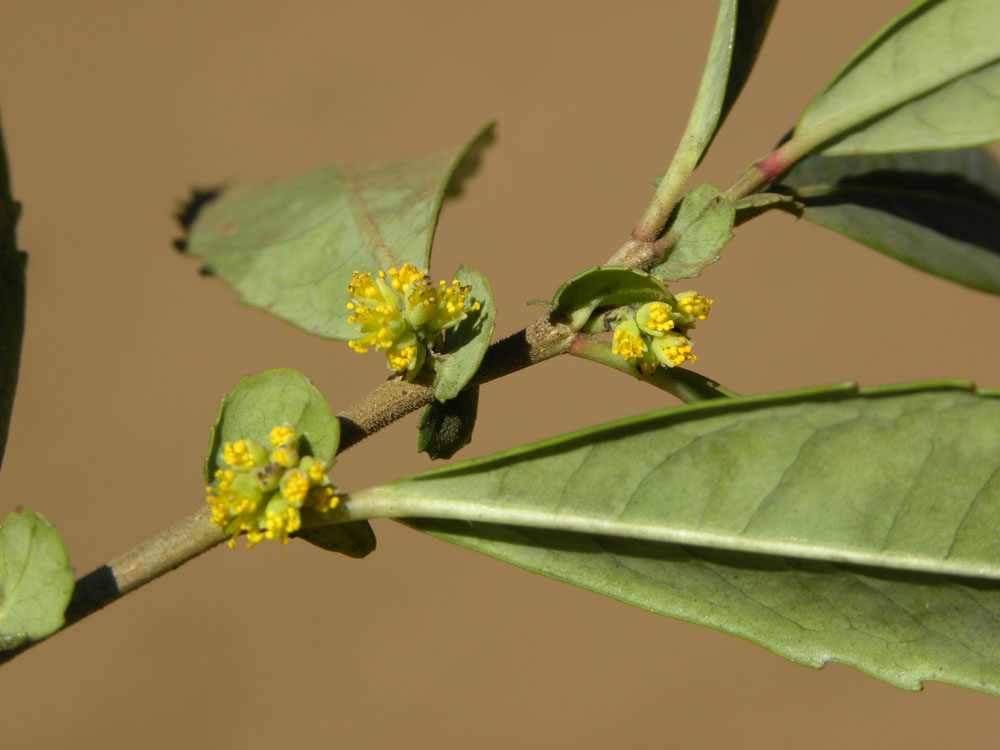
{"x":12,"y":264}
{"x":929,"y":80}
{"x":36,"y":580}
{"x":901,"y":477}
{"x":903,"y":628}
{"x":289,"y":246}
{"x":739,"y":32}
{"x":938,"y":211}
{"x":832,"y":523}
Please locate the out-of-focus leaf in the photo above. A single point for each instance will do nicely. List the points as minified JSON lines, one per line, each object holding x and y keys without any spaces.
{"x":12,"y":263}
{"x":466,"y":343}
{"x":445,"y":428}
{"x":289,"y":246}
{"x":930,"y":79}
{"x":938,"y":211}
{"x":36,"y":580}
{"x":704,"y":222}
{"x":606,"y":286}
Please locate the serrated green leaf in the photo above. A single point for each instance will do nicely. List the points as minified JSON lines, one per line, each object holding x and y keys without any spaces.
{"x":273,"y":398}
{"x":930,"y":79}
{"x":446,"y":428}
{"x":355,"y":539}
{"x":938,"y":211}
{"x":12,"y":264}
{"x":704,"y":223}
{"x":466,"y":344}
{"x":36,"y":580}
{"x":764,"y":491}
{"x":289,"y":246}
{"x":606,"y":286}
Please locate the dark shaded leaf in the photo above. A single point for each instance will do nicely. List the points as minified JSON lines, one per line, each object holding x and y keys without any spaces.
{"x":445,"y":428}
{"x":938,"y":211}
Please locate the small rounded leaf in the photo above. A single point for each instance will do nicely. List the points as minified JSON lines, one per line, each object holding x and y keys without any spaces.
{"x":36,"y":580}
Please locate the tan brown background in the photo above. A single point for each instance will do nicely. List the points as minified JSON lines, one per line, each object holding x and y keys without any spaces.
{"x":112,"y":109}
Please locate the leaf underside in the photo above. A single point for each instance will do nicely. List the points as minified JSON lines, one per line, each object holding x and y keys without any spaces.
{"x":36,"y":580}
{"x":290,"y":246}
{"x":704,"y":222}
{"x":828,"y":524}
{"x":929,"y":80}
{"x":938,"y":211}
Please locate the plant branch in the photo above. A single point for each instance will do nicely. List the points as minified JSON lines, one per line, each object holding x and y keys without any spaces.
{"x":687,"y":385}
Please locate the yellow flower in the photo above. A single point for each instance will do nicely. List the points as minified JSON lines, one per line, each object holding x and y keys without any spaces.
{"x":402,"y":313}
{"x":658,"y":333}
{"x":264,"y":503}
{"x":692,"y":306}
{"x":654,"y":318}
{"x":673,"y":350}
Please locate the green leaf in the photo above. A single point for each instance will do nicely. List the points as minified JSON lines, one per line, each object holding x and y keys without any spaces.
{"x":355,"y":539}
{"x":36,"y":580}
{"x":606,"y":286}
{"x":930,"y":79}
{"x":938,"y":211}
{"x":273,"y":398}
{"x":285,"y":397}
{"x":447,"y":428}
{"x":466,"y":344}
{"x":739,"y":32}
{"x":754,"y":205}
{"x":12,"y":263}
{"x":704,"y":222}
{"x":764,"y":492}
{"x":289,"y":246}
{"x":903,"y":628}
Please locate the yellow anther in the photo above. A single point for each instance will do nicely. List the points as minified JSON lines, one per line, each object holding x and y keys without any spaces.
{"x":295,"y":487}
{"x":695,"y":305}
{"x":237,"y":454}
{"x":282,"y":435}
{"x":628,"y":344}
{"x":659,"y":317}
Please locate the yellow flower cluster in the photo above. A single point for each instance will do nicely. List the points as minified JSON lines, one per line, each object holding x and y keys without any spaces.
{"x":402,"y":313}
{"x":656,"y":334}
{"x":261,"y":492}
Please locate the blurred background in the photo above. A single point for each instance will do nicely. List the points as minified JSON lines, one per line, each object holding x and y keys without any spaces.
{"x":113,"y":110}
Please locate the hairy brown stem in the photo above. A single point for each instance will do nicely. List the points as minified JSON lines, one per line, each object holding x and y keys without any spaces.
{"x":384,"y":405}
